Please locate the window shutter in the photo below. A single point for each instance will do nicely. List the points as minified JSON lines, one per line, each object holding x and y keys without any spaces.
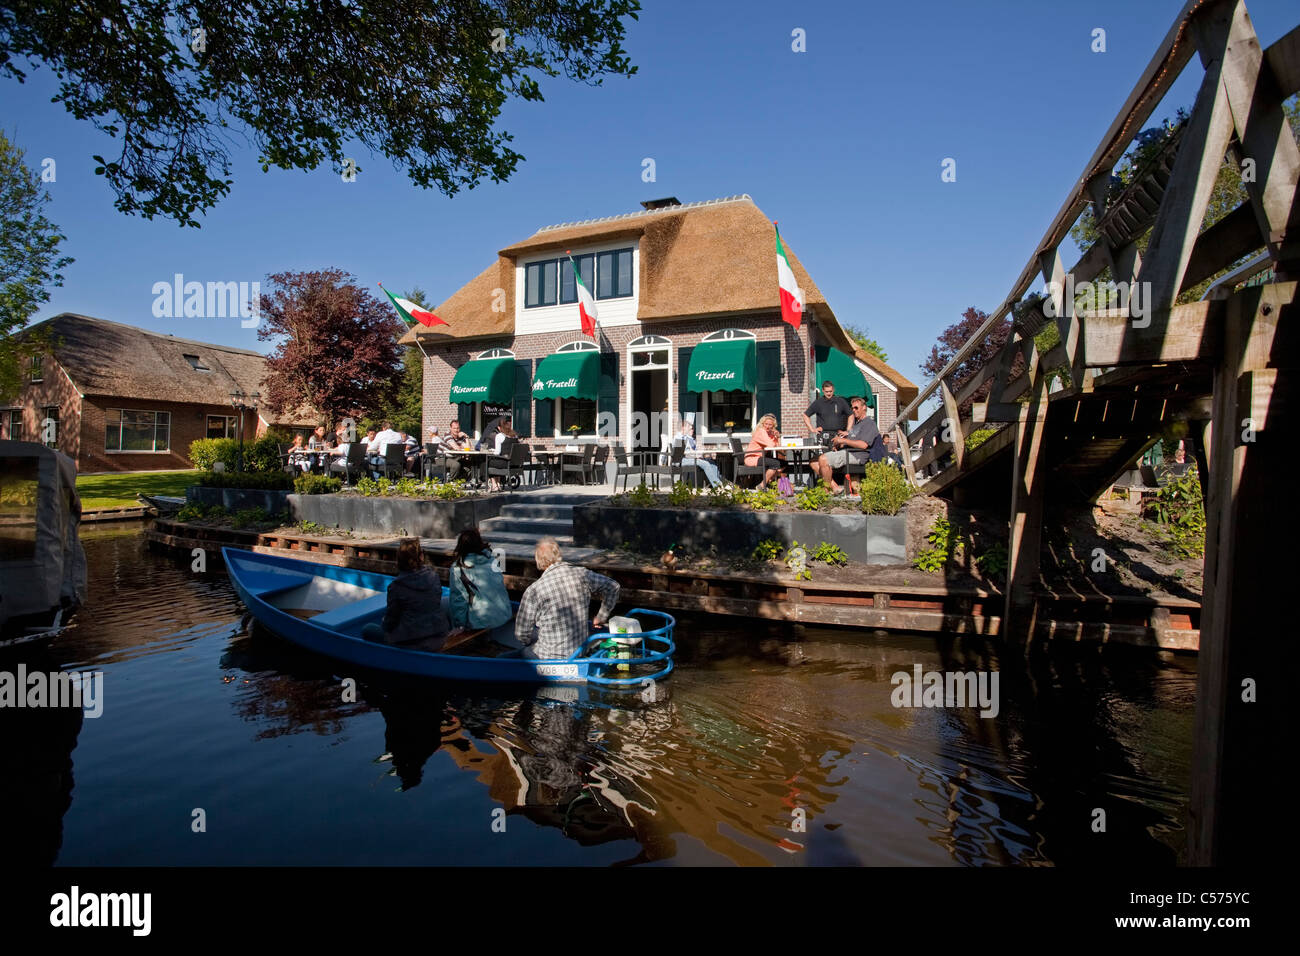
{"x":607,"y":400}
{"x":546,"y":418}
{"x":687,"y":401}
{"x":465,"y":415}
{"x":522,"y":409}
{"x":769,"y":379}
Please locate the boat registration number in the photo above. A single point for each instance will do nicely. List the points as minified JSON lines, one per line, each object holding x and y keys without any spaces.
{"x":558,"y":670}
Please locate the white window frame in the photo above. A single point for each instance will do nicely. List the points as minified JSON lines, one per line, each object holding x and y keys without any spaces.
{"x":128,"y":451}
{"x":647,"y":343}
{"x":9,"y":414}
{"x":702,"y":427}
{"x":231,"y":428}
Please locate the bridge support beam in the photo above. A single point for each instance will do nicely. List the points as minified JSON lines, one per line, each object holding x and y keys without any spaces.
{"x":1028,"y":484}
{"x":1246,"y":628}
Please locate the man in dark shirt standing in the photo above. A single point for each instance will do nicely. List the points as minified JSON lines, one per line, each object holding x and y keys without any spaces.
{"x":832,"y":411}
{"x":859,"y":444}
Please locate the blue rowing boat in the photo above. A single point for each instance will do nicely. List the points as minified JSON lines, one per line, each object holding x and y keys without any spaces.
{"x":323,"y":608}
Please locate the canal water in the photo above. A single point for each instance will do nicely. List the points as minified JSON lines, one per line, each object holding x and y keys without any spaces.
{"x":219,"y":745}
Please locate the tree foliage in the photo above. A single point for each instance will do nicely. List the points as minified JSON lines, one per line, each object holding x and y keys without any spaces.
{"x":29,"y":263}
{"x":338,"y":348}
{"x":1228,"y":193}
{"x":950,"y":342}
{"x":865,"y":342}
{"x":420,"y":83}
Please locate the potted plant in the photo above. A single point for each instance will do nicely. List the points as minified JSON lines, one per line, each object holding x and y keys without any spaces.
{"x":730,"y":426}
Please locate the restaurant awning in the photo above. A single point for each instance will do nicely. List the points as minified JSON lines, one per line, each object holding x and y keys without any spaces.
{"x":842,"y":372}
{"x":484,"y":380}
{"x":723,"y":365}
{"x":568,"y":375}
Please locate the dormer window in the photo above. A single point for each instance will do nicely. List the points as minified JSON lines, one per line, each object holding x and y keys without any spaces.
{"x":197,"y":364}
{"x":607,"y":275}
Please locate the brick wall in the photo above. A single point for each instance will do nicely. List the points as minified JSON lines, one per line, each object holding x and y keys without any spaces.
{"x":796,"y":387}
{"x":188,"y":423}
{"x":53,"y":390}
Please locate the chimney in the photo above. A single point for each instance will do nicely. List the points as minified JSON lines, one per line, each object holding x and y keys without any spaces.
{"x":660,"y":203}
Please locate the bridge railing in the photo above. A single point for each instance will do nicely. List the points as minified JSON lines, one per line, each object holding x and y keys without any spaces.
{"x":1237,"y":112}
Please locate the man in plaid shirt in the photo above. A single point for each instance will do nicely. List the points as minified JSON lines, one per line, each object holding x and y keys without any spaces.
{"x":552,"y":619}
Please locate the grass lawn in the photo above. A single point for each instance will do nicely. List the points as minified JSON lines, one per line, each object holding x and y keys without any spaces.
{"x":119,"y":490}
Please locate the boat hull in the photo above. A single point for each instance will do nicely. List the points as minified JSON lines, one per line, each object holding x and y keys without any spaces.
{"x":260,"y":578}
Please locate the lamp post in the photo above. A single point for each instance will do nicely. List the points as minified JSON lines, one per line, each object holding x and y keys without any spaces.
{"x":238,"y":402}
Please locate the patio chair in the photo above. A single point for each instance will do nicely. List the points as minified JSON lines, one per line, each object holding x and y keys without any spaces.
{"x":738,"y":467}
{"x":623,"y":467}
{"x":672,"y":468}
{"x":354,"y":465}
{"x":583,"y":468}
{"x":511,"y":466}
{"x":435,"y":462}
{"x":394,"y":463}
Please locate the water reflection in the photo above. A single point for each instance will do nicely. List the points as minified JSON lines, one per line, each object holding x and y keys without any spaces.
{"x":36,"y":781}
{"x":741,"y":758}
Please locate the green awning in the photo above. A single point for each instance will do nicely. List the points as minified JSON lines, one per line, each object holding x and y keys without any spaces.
{"x":843,"y":373}
{"x":568,"y":375}
{"x":484,"y":380}
{"x":723,"y":365}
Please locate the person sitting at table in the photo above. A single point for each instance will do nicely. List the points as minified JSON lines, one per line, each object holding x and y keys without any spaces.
{"x":503,"y":443}
{"x":319,"y":447}
{"x":476,"y":586}
{"x":411,"y":453}
{"x":687,"y":437}
{"x":859,"y":443}
{"x":415,"y":617}
{"x":766,"y":436}
{"x":455,"y":441}
{"x":297,"y":457}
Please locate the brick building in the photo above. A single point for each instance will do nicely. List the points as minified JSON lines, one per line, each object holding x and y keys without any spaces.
{"x":120,"y":398}
{"x":689,"y":324}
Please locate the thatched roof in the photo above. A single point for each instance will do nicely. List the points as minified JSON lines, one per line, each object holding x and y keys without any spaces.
{"x":714,"y":257}
{"x":122,"y":361}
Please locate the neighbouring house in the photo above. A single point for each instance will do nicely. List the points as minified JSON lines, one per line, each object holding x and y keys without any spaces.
{"x":689,"y":324}
{"x":115,"y":397}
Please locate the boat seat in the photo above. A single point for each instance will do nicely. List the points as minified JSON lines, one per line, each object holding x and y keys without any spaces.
{"x":345,"y":614}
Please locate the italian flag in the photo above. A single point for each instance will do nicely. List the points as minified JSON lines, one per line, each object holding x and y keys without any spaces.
{"x":586,"y":304}
{"x":791,"y":294}
{"x":412,"y":313}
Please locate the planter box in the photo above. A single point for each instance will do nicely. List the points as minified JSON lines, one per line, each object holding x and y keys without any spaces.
{"x":869,"y":539}
{"x":239,"y":499}
{"x":424,"y":518}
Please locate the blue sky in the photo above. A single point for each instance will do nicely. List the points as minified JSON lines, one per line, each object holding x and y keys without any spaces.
{"x":841,"y":143}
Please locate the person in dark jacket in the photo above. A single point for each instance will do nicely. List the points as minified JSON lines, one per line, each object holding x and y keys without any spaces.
{"x":415,"y":615}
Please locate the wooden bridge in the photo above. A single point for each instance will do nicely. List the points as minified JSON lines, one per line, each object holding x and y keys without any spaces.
{"x":1226,"y":366}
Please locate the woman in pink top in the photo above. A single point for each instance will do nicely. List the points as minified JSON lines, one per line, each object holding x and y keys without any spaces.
{"x":765,"y":436}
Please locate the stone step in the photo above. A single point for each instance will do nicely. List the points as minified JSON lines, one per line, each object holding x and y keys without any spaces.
{"x":510,"y":537}
{"x":561,"y":511}
{"x":514,"y":549}
{"x":537,"y":527}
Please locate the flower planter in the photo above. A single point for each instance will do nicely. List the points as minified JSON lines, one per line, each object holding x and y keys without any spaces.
{"x":423,"y":517}
{"x":239,"y":499}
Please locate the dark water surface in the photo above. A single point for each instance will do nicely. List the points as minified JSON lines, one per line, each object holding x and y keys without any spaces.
{"x":199,"y":714}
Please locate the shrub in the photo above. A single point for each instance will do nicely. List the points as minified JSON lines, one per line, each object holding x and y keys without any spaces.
{"x":257,"y":481}
{"x":769,"y":549}
{"x":944,"y":544}
{"x":813,"y":499}
{"x":369,"y":487}
{"x":765,"y":500}
{"x":641,"y":496}
{"x":316,"y":484}
{"x":884,"y":489}
{"x":725,"y":496}
{"x":263,"y":455}
{"x":978,"y":437}
{"x":205,"y":452}
{"x":993,"y":561}
{"x":681,"y":494}
{"x":1180,"y":507}
{"x":248,"y":516}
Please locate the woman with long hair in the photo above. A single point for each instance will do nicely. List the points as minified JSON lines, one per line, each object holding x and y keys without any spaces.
{"x":766,"y":435}
{"x":477,"y":588}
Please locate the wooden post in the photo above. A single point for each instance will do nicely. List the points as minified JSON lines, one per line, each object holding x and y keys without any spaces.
{"x":1244,"y":628}
{"x":954,"y":424}
{"x":905,"y":450}
{"x":1028,"y":480}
